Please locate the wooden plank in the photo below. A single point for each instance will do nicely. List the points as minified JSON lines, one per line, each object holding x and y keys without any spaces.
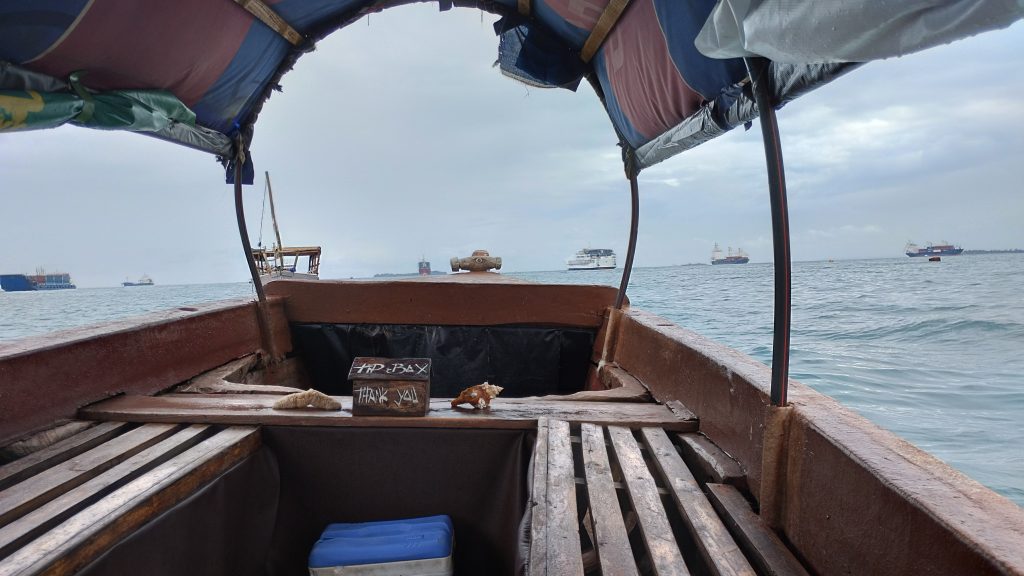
{"x":643,"y":493}
{"x":610,"y":538}
{"x":273,"y":20}
{"x":538,"y":560}
{"x":720,"y":553}
{"x":766,"y":551}
{"x":48,"y":484}
{"x":454,"y":299}
{"x":708,"y":462}
{"x":58,"y":452}
{"x":83,"y":537}
{"x":31,"y":525}
{"x":142,"y":355}
{"x":564,"y":556}
{"x":505,"y":413}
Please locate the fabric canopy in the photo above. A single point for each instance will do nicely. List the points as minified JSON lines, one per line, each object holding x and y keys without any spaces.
{"x":198,"y":71}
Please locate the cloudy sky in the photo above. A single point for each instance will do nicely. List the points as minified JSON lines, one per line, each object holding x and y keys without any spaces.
{"x":397,"y":139}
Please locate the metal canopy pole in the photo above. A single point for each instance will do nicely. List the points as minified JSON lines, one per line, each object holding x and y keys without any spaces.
{"x":759,"y":75}
{"x":634,"y":221}
{"x":243,"y":232}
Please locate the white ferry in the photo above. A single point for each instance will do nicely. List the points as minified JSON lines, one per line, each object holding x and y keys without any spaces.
{"x":592,"y":259}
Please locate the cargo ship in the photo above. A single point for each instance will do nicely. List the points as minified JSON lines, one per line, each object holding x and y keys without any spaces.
{"x":144,"y":281}
{"x":913,"y":251}
{"x":592,"y":259}
{"x":739,"y":257}
{"x":38,"y":281}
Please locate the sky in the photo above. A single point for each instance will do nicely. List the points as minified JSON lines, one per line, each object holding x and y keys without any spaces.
{"x":397,"y":139}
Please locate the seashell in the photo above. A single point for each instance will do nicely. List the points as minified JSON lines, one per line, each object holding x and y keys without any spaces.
{"x":478,"y":396}
{"x":309,"y":399}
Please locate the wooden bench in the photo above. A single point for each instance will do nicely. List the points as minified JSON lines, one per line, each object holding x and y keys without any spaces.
{"x":67,"y":504}
{"x":639,"y":509}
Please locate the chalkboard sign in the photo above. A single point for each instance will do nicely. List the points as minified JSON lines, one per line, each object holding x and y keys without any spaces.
{"x":390,"y":386}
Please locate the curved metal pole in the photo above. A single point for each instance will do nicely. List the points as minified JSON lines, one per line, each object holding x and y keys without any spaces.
{"x":758,"y":68}
{"x":243,"y":232}
{"x":634,"y":221}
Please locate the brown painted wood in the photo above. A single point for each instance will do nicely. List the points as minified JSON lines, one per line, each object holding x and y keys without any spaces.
{"x":564,"y":556}
{"x":83,"y":537}
{"x":26,"y":466}
{"x":538,"y":560}
{"x":514,"y":413}
{"x":643,"y":493}
{"x":33,"y":524}
{"x":58,"y":373}
{"x":708,"y":462}
{"x":717,"y":548}
{"x":610,"y":538}
{"x":765,"y":550}
{"x":48,"y":484}
{"x":390,"y":397}
{"x":450,"y":300}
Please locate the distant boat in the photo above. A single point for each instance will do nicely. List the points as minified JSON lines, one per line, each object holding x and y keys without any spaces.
{"x":913,"y":251}
{"x":272,"y":263}
{"x":935,"y":259}
{"x":38,"y":281}
{"x":592,"y":259}
{"x":144,"y":281}
{"x":739,"y":257}
{"x":424,"y":267}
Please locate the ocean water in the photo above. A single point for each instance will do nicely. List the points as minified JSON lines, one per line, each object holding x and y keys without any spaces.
{"x":931,"y":351}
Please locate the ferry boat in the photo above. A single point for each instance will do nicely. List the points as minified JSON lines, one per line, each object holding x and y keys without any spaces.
{"x":621,"y":444}
{"x":914,"y":251}
{"x":592,"y":259}
{"x":38,"y":281}
{"x":739,"y":257}
{"x":145,"y":280}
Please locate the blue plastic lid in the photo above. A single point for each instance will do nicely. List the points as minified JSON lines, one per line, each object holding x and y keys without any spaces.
{"x":382,"y":542}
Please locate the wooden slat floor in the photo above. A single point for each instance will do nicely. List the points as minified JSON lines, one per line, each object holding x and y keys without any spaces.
{"x":635,"y":509}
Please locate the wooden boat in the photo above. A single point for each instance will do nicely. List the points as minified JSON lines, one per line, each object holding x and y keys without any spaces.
{"x":622,"y":444}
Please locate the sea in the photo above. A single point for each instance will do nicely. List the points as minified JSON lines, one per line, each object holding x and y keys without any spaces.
{"x":933,"y":351}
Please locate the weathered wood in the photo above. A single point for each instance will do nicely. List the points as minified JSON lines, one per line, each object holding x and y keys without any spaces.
{"x":509,"y":413}
{"x":140,"y":355}
{"x":610,"y":538}
{"x":718,"y":550}
{"x":564,"y":556}
{"x":708,"y":462}
{"x":666,"y":557}
{"x":26,"y":466}
{"x":273,"y":20}
{"x":617,"y":386}
{"x":83,"y":537}
{"x":454,"y":299}
{"x":231,"y":379}
{"x":48,"y":484}
{"x":538,"y":560}
{"x":390,"y":398}
{"x":31,"y":525}
{"x":765,"y":550}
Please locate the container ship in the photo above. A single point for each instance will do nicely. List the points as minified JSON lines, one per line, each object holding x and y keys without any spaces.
{"x":913,"y":251}
{"x":739,"y":257}
{"x":144,"y":281}
{"x":38,"y":281}
{"x":592,"y":259}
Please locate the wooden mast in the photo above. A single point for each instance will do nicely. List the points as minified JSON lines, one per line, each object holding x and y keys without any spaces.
{"x":278,"y":256}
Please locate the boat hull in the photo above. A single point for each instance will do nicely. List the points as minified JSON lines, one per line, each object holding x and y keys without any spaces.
{"x":25,"y":283}
{"x":732,"y":260}
{"x":936,"y":252}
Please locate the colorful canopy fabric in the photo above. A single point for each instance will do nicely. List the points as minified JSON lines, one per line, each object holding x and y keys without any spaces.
{"x":197,"y":71}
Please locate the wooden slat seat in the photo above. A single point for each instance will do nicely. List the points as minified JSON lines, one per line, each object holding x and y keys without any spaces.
{"x":644,"y":511}
{"x":765,"y":549}
{"x":66,"y":506}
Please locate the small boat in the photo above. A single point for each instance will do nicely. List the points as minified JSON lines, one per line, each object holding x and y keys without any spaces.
{"x":944,"y":249}
{"x":592,"y":259}
{"x":145,"y":280}
{"x":280,"y":261}
{"x":621,"y":443}
{"x":739,"y":257}
{"x":935,"y":259}
{"x":38,"y":281}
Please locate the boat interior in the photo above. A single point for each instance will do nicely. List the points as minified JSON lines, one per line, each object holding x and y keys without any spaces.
{"x":621,"y":444}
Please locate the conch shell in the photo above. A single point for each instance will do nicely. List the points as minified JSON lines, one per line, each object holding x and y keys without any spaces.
{"x":309,"y":399}
{"x":478,"y":396}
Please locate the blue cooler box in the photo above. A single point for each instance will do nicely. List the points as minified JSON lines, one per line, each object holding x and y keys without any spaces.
{"x":413,"y":547}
